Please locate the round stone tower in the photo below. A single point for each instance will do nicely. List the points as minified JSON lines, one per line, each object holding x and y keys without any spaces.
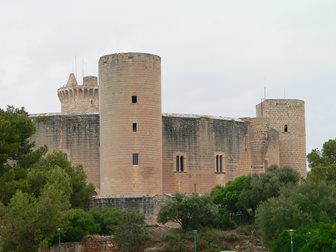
{"x":287,"y":116}
{"x":130,"y":124}
{"x":79,"y":98}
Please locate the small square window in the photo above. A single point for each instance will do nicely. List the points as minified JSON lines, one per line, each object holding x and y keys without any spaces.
{"x":135,"y":158}
{"x":134,"y":99}
{"x":134,"y":126}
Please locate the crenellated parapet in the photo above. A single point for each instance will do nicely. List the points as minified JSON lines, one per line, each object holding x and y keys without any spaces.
{"x":79,"y":98}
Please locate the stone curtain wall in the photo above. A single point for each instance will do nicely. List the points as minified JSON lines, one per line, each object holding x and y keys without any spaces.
{"x":245,"y":146}
{"x":199,"y":140}
{"x":75,"y":134}
{"x":148,"y":205}
{"x":263,"y":143}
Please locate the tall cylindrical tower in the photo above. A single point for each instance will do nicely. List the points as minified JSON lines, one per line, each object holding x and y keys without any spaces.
{"x":287,"y":116}
{"x":130,"y":124}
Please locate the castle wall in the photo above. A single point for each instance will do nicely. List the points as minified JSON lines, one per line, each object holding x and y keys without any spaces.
{"x":75,"y":134}
{"x":287,"y":116}
{"x":263,"y":144}
{"x":149,"y":205}
{"x":199,"y":140}
{"x":130,"y":94}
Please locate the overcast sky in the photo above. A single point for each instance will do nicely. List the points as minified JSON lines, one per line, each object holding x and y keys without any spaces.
{"x":217,"y":56}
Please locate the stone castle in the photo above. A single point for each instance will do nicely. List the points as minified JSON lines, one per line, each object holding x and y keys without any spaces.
{"x":117,"y":131}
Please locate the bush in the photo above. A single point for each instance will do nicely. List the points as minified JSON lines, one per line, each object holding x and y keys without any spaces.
{"x":315,"y":237}
{"x":296,"y":206}
{"x":206,"y":240}
{"x":231,"y":236}
{"x":130,"y":232}
{"x":107,"y":218}
{"x":80,"y":224}
{"x":190,"y":211}
{"x":175,"y":240}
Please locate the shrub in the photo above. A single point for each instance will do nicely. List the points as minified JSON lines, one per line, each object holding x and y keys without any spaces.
{"x":190,"y":211}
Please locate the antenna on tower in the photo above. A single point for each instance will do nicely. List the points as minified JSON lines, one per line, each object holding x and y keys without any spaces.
{"x":76,"y":66}
{"x":284,"y":93}
{"x":72,"y":67}
{"x":83,"y":68}
{"x":264,"y":93}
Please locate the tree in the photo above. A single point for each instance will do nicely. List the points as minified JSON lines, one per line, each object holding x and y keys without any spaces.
{"x":30,"y":220}
{"x":323,"y":163}
{"x":107,"y":218}
{"x":131,"y":230}
{"x":296,"y":206}
{"x":79,"y":224}
{"x":15,"y":130}
{"x":81,"y":191}
{"x":227,"y":196}
{"x":260,"y":187}
{"x":189,"y":211}
{"x":314,"y":237}
{"x":33,"y":179}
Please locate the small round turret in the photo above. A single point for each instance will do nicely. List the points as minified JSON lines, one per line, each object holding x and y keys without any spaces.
{"x":79,"y":98}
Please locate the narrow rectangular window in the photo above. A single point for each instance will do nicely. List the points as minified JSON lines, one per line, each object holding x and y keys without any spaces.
{"x":134,"y":126}
{"x":177,"y":163}
{"x":181,"y":164}
{"x":286,"y":128}
{"x":220,"y":163}
{"x":134,"y":99}
{"x":135,"y":158}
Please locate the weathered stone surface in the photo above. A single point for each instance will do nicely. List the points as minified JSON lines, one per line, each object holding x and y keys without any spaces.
{"x":148,"y":205}
{"x":176,"y":153}
{"x":77,"y":135}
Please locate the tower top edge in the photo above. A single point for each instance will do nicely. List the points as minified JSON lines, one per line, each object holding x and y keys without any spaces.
{"x":130,"y":55}
{"x":282,"y":101}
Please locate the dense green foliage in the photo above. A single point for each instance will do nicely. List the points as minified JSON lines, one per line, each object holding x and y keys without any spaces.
{"x":228,"y":196}
{"x":316,"y":237}
{"x":32,"y":179}
{"x":260,"y":187}
{"x":242,"y":196}
{"x":79,"y":224}
{"x":36,"y":192}
{"x":107,"y":218}
{"x":128,"y":227}
{"x":29,"y":220}
{"x":189,"y":211}
{"x":207,"y":239}
{"x":130,"y":231}
{"x":323,"y":163}
{"x":295,"y":207}
{"x":15,"y":130}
